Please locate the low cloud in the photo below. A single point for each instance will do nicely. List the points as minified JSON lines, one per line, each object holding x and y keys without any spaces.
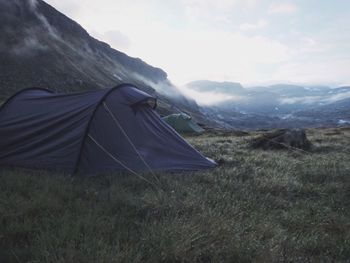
{"x":33,"y":40}
{"x":210,"y":98}
{"x":337,"y":97}
{"x":52,"y":31}
{"x":316,"y":99}
{"x":301,"y":100}
{"x":29,"y":46}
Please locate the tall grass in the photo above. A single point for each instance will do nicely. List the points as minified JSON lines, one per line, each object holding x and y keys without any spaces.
{"x":262,"y":206}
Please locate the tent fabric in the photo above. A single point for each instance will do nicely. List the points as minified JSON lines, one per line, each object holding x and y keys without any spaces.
{"x":40,"y":129}
{"x":182,"y":122}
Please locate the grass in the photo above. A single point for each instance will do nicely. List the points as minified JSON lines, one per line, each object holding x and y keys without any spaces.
{"x":259,"y":206}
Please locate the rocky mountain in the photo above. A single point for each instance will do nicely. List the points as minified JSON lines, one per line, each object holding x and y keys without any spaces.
{"x":41,"y":47}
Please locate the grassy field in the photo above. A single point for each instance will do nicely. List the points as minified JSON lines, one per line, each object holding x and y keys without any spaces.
{"x":259,"y":206}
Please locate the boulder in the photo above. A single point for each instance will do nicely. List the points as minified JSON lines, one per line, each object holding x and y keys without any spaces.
{"x":282,"y":139}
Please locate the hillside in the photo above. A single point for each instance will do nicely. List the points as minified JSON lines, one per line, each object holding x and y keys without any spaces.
{"x":41,"y":47}
{"x":258,"y":206}
{"x":334,"y":112}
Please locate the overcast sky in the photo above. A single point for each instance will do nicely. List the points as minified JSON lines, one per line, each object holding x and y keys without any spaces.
{"x":248,"y":41}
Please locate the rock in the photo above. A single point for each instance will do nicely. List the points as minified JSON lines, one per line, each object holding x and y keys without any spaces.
{"x":282,"y":139}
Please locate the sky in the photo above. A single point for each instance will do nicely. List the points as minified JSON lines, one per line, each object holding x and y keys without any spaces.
{"x":248,"y":41}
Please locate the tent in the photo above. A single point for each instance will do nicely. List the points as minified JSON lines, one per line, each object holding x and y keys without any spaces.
{"x":98,"y":131}
{"x":182,"y":122}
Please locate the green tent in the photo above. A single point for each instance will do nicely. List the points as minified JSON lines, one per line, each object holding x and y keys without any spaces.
{"x":182,"y":122}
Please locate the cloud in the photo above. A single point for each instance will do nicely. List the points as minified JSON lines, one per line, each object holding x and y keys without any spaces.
{"x":331,"y":71}
{"x":337,"y":97}
{"x":188,"y":55}
{"x":210,"y":98}
{"x":52,"y":31}
{"x":30,"y":42}
{"x":29,"y":46}
{"x":251,"y":27}
{"x":282,"y":8}
{"x":309,"y":45}
{"x":316,"y":99}
{"x":301,"y":100}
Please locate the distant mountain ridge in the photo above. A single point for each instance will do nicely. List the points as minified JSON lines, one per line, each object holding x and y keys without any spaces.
{"x":276,"y":106}
{"x":214,"y":86}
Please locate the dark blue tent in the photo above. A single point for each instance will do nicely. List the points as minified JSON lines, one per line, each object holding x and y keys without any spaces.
{"x":98,"y":131}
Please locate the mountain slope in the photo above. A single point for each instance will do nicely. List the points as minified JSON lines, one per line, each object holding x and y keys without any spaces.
{"x":41,"y":47}
{"x":333,"y":112}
